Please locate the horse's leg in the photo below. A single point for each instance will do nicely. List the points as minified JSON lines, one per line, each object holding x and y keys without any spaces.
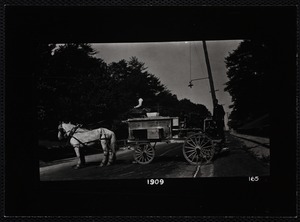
{"x":112,"y":150}
{"x":80,"y":156}
{"x":105,"y":153}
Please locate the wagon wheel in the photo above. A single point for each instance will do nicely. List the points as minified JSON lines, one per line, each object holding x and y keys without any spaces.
{"x":198,"y":149}
{"x":144,"y":153}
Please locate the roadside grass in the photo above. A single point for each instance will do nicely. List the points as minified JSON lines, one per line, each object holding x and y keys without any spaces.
{"x":253,"y":149}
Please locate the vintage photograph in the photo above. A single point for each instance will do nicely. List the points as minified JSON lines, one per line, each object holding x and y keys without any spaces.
{"x":150,"y":111}
{"x":184,"y":109}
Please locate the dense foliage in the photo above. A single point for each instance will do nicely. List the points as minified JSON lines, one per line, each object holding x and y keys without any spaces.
{"x":248,"y":69}
{"x":74,"y":85}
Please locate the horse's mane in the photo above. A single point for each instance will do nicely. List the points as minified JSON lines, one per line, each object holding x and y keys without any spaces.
{"x":79,"y":129}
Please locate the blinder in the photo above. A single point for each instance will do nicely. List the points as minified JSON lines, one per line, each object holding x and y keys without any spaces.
{"x":62,"y":132}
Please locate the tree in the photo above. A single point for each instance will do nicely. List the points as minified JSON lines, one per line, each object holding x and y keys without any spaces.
{"x":74,"y":85}
{"x":132,"y":78}
{"x":248,"y":69}
{"x":195,"y":113}
{"x":71,"y":79}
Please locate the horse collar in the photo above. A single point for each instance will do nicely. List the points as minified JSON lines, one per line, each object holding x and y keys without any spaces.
{"x":73,"y":131}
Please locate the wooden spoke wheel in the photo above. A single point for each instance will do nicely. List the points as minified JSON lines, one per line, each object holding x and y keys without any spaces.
{"x":198,"y":149}
{"x":144,"y":153}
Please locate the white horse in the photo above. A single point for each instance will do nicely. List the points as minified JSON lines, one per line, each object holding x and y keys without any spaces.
{"x":80,"y":137}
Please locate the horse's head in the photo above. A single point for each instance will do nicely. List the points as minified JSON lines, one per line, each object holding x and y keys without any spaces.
{"x":62,"y":133}
{"x":64,"y":130}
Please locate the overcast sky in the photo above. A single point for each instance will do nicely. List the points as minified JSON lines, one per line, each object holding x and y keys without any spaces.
{"x":174,"y":63}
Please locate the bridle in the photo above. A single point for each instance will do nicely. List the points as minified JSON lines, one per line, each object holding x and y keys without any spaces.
{"x":62,"y":131}
{"x":69,"y":133}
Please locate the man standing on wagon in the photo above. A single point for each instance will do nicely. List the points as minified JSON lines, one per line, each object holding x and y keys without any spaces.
{"x":139,"y":110}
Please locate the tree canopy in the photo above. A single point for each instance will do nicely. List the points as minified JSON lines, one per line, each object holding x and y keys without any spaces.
{"x":74,"y":85}
{"x":248,"y":69}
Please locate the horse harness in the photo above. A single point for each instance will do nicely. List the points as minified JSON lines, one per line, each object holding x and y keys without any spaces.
{"x":73,"y":131}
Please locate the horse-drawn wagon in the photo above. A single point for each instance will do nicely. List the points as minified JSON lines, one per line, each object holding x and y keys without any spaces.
{"x":198,"y":146}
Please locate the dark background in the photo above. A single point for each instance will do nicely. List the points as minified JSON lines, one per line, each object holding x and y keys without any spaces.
{"x":26,"y":27}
